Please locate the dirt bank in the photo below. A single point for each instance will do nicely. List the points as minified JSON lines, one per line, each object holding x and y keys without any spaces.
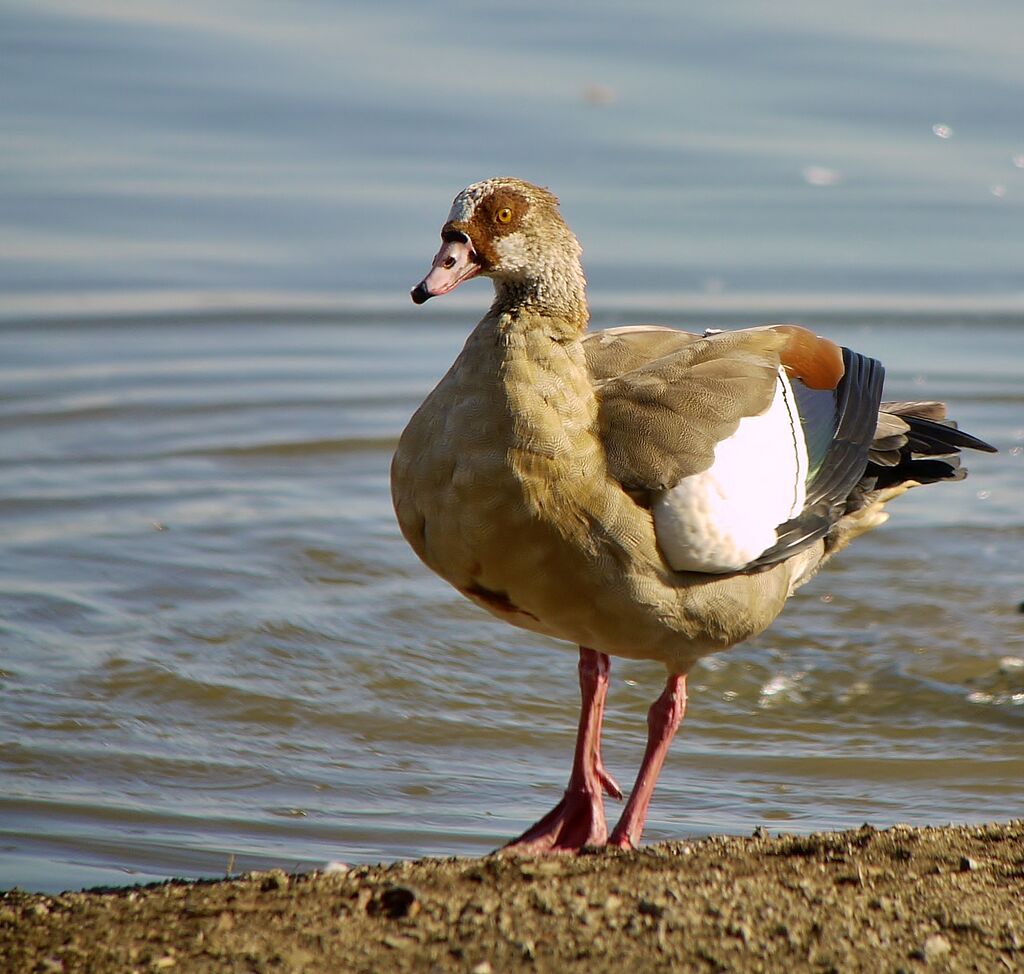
{"x":903,"y":899}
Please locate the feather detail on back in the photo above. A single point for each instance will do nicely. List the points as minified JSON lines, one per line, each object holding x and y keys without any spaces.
{"x":839,"y":427}
{"x":722,"y":519}
{"x":661,"y":421}
{"x":745,"y":445}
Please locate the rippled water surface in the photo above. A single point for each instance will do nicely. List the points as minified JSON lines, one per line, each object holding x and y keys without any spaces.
{"x":215,"y":649}
{"x":216,"y":643}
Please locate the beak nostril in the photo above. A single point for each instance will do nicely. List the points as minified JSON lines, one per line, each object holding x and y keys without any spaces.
{"x":454,"y":263}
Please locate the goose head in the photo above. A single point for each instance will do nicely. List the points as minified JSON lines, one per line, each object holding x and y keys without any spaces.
{"x":512,"y":232}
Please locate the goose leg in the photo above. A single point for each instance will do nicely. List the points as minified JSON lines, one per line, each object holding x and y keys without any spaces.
{"x":663,"y":720}
{"x":578,"y":819}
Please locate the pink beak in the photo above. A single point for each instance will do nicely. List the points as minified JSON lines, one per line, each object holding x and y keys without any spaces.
{"x":455,"y":262}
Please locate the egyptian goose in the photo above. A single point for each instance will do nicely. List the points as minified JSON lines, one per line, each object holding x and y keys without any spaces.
{"x":640,"y":491}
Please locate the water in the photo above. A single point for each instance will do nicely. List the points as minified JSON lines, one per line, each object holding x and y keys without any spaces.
{"x":215,"y":648}
{"x":310,"y":147}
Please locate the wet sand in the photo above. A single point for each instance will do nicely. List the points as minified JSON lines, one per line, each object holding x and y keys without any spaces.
{"x":904,"y":899}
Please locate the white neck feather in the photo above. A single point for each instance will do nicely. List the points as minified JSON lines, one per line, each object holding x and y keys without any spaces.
{"x":554,"y":287}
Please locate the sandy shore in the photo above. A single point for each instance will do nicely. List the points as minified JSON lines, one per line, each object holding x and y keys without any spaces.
{"x":903,"y":899}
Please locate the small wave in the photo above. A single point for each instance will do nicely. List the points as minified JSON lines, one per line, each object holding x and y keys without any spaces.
{"x":302,"y":448}
{"x":112,"y":306}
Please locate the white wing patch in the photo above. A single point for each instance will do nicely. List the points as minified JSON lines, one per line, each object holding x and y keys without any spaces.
{"x":722,"y":519}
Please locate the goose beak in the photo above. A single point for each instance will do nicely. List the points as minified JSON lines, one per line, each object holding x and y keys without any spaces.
{"x":455,"y":262}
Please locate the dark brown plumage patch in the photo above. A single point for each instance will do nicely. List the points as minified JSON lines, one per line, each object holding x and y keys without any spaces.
{"x":816,"y":362}
{"x":499,"y":601}
{"x":485,"y":227}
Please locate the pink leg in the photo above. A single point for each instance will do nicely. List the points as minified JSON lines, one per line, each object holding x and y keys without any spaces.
{"x":663,"y":720}
{"x":608,"y":783}
{"x":578,"y":819}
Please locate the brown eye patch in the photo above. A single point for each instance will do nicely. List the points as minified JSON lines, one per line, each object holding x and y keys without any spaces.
{"x":495,"y":216}
{"x":504,"y":210}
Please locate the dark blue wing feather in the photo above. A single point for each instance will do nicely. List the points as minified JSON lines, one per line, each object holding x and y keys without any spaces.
{"x":839,"y":425}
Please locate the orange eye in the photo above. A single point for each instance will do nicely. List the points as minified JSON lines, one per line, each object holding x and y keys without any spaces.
{"x":504,"y":215}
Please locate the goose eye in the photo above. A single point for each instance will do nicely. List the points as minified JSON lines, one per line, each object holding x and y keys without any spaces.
{"x":504,"y":215}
